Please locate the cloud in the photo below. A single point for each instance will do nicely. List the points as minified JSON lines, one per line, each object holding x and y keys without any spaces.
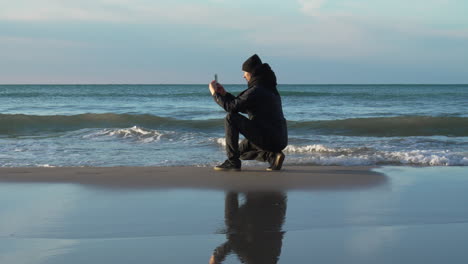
{"x":317,"y":34}
{"x":54,"y":10}
{"x":325,"y":37}
{"x":46,"y":42}
{"x":122,"y":11}
{"x":311,"y":7}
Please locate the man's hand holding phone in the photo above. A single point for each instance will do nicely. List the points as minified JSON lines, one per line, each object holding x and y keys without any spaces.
{"x":220,"y":89}
{"x":215,"y":87}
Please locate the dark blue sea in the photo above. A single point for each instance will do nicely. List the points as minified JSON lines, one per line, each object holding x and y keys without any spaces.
{"x":171,"y":125}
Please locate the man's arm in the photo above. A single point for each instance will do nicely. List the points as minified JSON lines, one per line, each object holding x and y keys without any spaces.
{"x":229,"y":102}
{"x":233,"y":104}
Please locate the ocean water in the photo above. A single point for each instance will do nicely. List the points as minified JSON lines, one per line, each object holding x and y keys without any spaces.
{"x":170,"y":125}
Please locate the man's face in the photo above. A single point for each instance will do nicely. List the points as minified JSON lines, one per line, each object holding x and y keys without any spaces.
{"x":247,"y":76}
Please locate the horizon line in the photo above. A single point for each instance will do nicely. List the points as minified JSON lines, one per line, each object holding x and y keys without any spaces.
{"x":4,"y":84}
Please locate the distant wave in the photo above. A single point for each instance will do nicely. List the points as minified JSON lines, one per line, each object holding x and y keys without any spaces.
{"x":388,"y":126}
{"x":102,"y":95}
{"x":203,"y":92}
{"x":199,"y":94}
{"x":20,"y":124}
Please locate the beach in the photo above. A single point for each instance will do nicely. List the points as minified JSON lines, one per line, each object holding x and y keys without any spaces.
{"x":123,"y":174}
{"x":119,"y":118}
{"x":302,"y":214}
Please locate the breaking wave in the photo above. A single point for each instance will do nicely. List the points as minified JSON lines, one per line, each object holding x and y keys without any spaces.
{"x":135,"y":133}
{"x":323,"y":155}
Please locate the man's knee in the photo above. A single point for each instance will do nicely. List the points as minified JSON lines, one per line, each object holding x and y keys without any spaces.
{"x":244,"y":146}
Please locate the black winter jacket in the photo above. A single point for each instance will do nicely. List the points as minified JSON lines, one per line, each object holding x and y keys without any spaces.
{"x":262,"y":103}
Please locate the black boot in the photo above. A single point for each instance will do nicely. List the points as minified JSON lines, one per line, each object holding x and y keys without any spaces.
{"x":229,"y":165}
{"x":277,"y":162}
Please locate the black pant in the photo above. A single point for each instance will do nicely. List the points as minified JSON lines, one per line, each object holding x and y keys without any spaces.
{"x":257,"y":145}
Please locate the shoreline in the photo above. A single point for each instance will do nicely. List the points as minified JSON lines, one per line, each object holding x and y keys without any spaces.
{"x":249,"y":179}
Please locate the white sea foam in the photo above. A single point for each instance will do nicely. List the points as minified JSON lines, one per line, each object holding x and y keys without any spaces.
{"x":314,"y":148}
{"x":45,"y":166}
{"x":139,"y":133}
{"x":220,"y":141}
{"x":415,"y":157}
{"x":296,"y":149}
{"x":426,"y":157}
{"x":135,"y":132}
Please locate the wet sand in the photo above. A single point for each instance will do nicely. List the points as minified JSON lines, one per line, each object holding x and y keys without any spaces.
{"x":189,"y":215}
{"x":255,"y":179}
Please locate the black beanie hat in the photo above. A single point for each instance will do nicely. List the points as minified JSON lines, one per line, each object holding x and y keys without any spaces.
{"x":251,"y":63}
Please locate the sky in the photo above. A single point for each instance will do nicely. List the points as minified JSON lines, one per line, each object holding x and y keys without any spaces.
{"x":186,"y":42}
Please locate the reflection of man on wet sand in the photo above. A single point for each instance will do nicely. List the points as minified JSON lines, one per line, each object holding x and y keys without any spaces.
{"x":254,"y":228}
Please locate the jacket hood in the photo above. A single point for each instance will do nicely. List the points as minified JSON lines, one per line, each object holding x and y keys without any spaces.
{"x":251,"y":63}
{"x":263,"y":75}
